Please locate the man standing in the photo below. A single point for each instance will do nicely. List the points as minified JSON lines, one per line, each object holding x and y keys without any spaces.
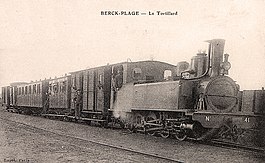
{"x":78,"y":104}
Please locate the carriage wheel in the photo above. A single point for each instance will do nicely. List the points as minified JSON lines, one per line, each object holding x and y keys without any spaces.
{"x":65,"y":119}
{"x":104,"y":124}
{"x":88,"y":122}
{"x":181,"y":135}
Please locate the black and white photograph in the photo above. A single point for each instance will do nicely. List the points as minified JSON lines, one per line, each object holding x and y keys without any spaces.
{"x":132,"y":81}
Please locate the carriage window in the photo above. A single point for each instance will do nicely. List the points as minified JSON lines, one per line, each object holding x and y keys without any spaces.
{"x":19,"y":90}
{"x":55,"y":88}
{"x":38,"y":89}
{"x":34,"y":89}
{"x":167,"y":74}
{"x":64,"y":86}
{"x":10,"y":90}
{"x":30,"y":89}
{"x":100,"y":79}
{"x":26,"y":90}
{"x":137,"y":73}
{"x":50,"y":88}
{"x":60,"y":87}
{"x":73,"y":82}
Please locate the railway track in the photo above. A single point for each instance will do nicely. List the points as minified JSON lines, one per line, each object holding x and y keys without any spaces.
{"x":223,"y":144}
{"x":235,"y":146}
{"x":228,"y":145}
{"x":84,"y":141}
{"x":216,"y":143}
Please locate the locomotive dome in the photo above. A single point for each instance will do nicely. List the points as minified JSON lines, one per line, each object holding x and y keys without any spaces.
{"x":221,"y":94}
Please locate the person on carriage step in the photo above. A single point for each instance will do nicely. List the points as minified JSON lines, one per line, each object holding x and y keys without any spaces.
{"x":78,"y":101}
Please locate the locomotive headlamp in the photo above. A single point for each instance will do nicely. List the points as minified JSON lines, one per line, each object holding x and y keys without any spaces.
{"x":226,"y":66}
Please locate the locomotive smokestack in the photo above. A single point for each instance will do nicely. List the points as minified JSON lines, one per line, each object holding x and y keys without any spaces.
{"x":216,"y":52}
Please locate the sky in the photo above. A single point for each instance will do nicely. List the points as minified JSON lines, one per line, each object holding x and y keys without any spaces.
{"x":48,"y":38}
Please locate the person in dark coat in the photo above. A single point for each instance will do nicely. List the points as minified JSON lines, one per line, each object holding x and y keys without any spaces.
{"x":78,"y":103}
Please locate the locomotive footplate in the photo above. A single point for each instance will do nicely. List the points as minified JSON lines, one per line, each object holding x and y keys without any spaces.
{"x":215,"y":120}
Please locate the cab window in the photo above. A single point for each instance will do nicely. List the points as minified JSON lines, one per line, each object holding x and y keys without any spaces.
{"x":167,"y":74}
{"x":137,"y":72}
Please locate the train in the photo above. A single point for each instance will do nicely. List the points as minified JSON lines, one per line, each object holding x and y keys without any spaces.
{"x":196,"y":100}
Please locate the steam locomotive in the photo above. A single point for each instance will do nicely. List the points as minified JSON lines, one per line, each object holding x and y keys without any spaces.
{"x":196,"y":100}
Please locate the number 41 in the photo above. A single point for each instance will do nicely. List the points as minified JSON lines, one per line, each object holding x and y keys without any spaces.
{"x":246,"y":119}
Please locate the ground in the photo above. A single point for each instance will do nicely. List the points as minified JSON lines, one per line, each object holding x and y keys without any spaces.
{"x":70,"y":142}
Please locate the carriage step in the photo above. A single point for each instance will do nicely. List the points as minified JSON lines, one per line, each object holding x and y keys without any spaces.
{"x":53,"y":115}
{"x":91,"y":112}
{"x":91,"y":119}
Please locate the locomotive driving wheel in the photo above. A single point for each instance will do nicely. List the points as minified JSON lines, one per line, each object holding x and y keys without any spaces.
{"x":130,"y":128}
{"x":236,"y":132}
{"x":138,"y":120}
{"x":151,"y":133}
{"x":151,"y":118}
{"x":139,"y":123}
{"x":164,"y":133}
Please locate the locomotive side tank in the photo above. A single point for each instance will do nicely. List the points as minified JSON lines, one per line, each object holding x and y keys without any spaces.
{"x":170,"y":95}
{"x":134,"y":73}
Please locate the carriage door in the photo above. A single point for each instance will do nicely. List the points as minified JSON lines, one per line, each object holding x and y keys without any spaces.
{"x":99,"y":93}
{"x":11,"y":95}
{"x":107,"y":87}
{"x":102,"y":87}
{"x":7,"y":96}
{"x":15,"y":95}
